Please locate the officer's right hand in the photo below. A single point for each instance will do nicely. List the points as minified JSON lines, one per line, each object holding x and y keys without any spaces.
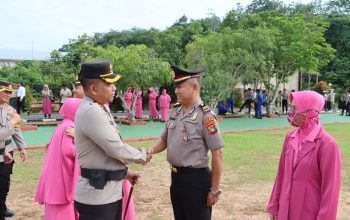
{"x":15,"y":119}
{"x":8,"y":158}
{"x":148,"y":157}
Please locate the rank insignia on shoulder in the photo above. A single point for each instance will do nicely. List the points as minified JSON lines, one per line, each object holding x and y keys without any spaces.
{"x":210,"y":123}
{"x":205,"y":108}
{"x":176,"y":104}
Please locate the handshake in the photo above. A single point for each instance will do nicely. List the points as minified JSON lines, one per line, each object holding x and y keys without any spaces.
{"x":148,"y":156}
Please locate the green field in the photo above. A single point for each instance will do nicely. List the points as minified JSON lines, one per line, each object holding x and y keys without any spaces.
{"x":249,"y":158}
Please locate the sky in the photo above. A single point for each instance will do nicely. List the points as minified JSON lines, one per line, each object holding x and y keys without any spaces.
{"x":46,"y":25}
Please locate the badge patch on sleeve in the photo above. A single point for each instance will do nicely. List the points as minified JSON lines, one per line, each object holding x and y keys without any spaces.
{"x":210,"y":123}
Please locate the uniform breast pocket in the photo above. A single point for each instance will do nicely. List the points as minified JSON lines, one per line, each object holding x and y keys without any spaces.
{"x":192,"y":129}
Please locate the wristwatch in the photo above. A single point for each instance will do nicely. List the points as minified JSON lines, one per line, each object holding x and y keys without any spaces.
{"x":216,"y":192}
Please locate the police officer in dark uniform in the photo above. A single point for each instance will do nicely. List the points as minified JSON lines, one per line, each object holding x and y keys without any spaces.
{"x":102,"y":154}
{"x":9,"y":132}
{"x":190,"y":133}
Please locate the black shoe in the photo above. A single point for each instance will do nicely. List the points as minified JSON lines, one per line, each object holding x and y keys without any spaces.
{"x":9,"y":213}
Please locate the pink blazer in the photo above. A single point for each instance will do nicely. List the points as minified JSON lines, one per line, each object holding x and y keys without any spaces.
{"x":309,"y":187}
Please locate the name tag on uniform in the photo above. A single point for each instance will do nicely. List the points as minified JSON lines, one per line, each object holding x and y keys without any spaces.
{"x":192,"y":122}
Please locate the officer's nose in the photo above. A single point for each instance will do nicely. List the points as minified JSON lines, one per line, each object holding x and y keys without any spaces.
{"x":113,"y":87}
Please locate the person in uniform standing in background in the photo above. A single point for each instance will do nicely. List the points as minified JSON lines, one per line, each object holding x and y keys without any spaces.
{"x":9,"y":131}
{"x":285,"y":97}
{"x":138,"y":104}
{"x":102,"y":154}
{"x":47,"y":105}
{"x":78,"y":91}
{"x":191,"y":131}
{"x":164,"y":105}
{"x":65,"y":93}
{"x":128,"y":101}
{"x":342,"y":103}
{"x":152,"y":101}
{"x":21,"y":94}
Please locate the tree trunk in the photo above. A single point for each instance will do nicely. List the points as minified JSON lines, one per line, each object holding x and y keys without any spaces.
{"x":128,"y":110}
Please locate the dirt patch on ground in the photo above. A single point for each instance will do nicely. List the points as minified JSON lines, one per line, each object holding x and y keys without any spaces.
{"x":246,"y":201}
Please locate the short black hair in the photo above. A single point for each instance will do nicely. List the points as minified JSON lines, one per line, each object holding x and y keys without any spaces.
{"x":87,"y":82}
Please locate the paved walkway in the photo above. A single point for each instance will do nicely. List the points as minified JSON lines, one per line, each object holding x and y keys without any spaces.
{"x":153,"y":129}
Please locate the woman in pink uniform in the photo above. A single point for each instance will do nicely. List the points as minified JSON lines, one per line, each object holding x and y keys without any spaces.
{"x":47,"y":105}
{"x":152,"y":103}
{"x":128,"y":100}
{"x":308,"y":178}
{"x":60,"y":170}
{"x":164,"y":105}
{"x":138,"y":104}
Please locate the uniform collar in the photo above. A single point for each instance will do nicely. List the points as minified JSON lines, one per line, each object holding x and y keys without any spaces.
{"x":192,"y":110}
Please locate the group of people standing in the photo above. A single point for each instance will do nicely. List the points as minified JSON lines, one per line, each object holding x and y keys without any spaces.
{"x":86,"y":172}
{"x":164,"y":101}
{"x":257,"y":98}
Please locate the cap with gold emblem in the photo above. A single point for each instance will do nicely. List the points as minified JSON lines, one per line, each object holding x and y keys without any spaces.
{"x":183,"y":74}
{"x":100,"y":69}
{"x":5,"y":86}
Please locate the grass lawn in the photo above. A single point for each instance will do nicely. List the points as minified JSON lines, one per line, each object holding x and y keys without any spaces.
{"x":249,"y":158}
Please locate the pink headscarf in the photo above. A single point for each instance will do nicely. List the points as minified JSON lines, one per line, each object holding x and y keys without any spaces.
{"x":69,"y":108}
{"x":310,"y":103}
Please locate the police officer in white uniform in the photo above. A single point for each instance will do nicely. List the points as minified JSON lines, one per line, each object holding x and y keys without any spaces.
{"x":190,"y":133}
{"x":102,"y":154}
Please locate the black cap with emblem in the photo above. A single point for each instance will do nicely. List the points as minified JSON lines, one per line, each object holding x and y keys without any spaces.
{"x":5,"y":86}
{"x":100,"y":69}
{"x":181,"y":75}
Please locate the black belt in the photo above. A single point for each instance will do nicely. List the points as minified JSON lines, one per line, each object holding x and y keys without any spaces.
{"x":99,"y":177}
{"x":2,"y":151}
{"x":176,"y":169}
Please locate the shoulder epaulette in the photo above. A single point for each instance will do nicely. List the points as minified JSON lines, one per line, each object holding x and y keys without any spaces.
{"x":205,"y":108}
{"x":176,"y":105}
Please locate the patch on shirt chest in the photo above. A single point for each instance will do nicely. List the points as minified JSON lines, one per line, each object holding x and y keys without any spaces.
{"x":210,"y":123}
{"x":171,"y":124}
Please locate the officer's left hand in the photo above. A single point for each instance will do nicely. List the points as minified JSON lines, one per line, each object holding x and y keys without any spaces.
{"x":8,"y":158}
{"x":212,"y":199}
{"x":133,"y":177}
{"x":23,"y":154}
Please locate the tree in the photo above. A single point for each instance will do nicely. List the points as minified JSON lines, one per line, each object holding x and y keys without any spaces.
{"x":299,"y":46}
{"x":230,"y":56}
{"x":337,"y":71}
{"x":138,"y":66}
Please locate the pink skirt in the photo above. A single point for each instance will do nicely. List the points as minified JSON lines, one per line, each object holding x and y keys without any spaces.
{"x":47,"y":106}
